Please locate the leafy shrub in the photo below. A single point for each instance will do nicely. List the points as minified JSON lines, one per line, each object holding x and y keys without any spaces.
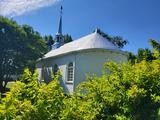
{"x":124,"y":92}
{"x":28,"y":99}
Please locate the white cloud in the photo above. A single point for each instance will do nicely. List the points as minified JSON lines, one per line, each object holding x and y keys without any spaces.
{"x":11,"y":8}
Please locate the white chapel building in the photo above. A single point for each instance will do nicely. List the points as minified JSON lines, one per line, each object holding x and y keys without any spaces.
{"x":77,"y":59}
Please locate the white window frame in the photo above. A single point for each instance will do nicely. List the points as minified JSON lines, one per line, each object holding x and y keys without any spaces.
{"x":72,"y":72}
{"x":42,"y":73}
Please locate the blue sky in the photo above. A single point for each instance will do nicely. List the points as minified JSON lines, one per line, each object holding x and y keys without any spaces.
{"x":134,"y":20}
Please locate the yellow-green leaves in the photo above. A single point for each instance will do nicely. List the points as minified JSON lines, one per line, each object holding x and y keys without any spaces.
{"x":124,"y":92}
{"x":28,"y":100}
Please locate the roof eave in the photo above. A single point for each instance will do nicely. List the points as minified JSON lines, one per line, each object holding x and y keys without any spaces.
{"x":77,"y":51}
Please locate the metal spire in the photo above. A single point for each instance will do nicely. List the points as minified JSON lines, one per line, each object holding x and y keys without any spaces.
{"x":60,"y":23}
{"x":59,"y":37}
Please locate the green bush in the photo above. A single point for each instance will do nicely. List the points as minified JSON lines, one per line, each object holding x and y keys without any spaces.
{"x":30,"y":100}
{"x":124,"y":92}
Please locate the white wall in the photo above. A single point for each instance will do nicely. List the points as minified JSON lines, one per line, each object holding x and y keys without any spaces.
{"x":85,"y":62}
{"x":62,"y":63}
{"x":92,"y":62}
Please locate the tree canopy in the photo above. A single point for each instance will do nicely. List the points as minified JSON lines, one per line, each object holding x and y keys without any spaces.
{"x":50,"y":40}
{"x":20,"y":47}
{"x":146,"y":54}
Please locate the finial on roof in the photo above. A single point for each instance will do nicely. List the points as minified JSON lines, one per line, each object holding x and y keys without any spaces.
{"x":97,"y":30}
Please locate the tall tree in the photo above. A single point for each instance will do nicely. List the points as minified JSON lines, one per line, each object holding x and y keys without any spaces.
{"x":155,"y":44}
{"x":50,"y":41}
{"x":131,"y":57}
{"x":144,"y":54}
{"x":156,"y":47}
{"x":20,"y":47}
{"x":67,"y":38}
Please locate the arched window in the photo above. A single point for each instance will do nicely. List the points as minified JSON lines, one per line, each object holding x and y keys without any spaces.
{"x":70,"y":72}
{"x":43,"y":73}
{"x":55,"y":69}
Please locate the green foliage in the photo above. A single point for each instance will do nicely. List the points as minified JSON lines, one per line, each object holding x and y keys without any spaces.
{"x":125,"y":92}
{"x":49,"y":103}
{"x":156,"y":48}
{"x":20,"y":47}
{"x":131,"y":57}
{"x":146,"y":54}
{"x":30,"y":100}
{"x":67,"y":38}
{"x":79,"y":108}
{"x":50,"y":41}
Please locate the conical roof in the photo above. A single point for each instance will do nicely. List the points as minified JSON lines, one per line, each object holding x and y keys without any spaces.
{"x":91,"y":41}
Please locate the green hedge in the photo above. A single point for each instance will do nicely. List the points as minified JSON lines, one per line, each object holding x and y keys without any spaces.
{"x":123,"y":92}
